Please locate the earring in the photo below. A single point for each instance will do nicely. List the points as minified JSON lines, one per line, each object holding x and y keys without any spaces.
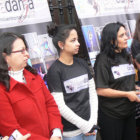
{"x":62,"y":48}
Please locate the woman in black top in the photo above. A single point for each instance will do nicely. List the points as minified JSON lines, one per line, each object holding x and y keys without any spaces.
{"x":115,"y":85}
{"x":72,"y":86}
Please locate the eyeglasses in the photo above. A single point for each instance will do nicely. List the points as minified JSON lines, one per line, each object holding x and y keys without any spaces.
{"x":22,"y":51}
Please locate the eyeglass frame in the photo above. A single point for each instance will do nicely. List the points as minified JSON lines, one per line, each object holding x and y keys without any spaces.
{"x":22,"y":51}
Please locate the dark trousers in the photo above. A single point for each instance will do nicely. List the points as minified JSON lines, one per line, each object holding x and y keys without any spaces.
{"x":117,"y":129}
{"x":138,"y":128}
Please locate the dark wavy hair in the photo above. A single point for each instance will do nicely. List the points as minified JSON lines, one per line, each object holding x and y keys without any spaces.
{"x":135,"y":46}
{"x":59,"y":33}
{"x":108,"y":43}
{"x":6,"y":45}
{"x":137,"y":30}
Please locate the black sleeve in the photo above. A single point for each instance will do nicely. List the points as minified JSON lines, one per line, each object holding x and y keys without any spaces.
{"x":54,"y":80}
{"x":101,"y":69}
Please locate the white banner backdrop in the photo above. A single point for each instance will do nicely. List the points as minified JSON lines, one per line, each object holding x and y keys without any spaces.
{"x":95,"y":14}
{"x":22,"y":12}
{"x":96,"y":8}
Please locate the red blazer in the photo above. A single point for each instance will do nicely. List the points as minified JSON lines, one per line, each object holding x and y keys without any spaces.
{"x":30,"y":108}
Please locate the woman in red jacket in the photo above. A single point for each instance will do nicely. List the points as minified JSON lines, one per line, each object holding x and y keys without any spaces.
{"x":25,"y":102}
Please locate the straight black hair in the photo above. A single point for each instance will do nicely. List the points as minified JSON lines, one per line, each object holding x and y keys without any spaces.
{"x":108,"y":42}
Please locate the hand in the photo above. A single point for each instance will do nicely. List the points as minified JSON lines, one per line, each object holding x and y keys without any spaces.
{"x":89,"y":134}
{"x":138,"y":97}
{"x":137,"y":87}
{"x":55,"y":138}
{"x":25,"y":137}
{"x":132,"y":96}
{"x":5,"y":138}
{"x":93,"y":133}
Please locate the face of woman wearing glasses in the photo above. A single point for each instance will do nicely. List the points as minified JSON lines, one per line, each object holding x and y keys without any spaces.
{"x":17,"y":60}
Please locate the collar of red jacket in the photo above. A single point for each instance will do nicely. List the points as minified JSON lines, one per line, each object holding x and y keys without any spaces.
{"x":28,"y":76}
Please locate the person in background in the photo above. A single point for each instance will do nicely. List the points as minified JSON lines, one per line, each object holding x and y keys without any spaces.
{"x":72,"y":86}
{"x":135,"y":50}
{"x":137,"y":117}
{"x":115,"y":85}
{"x":25,"y":102}
{"x":135,"y":46}
{"x":137,"y":61}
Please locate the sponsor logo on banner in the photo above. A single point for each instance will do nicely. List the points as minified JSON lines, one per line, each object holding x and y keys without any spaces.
{"x":23,"y":12}
{"x":96,"y":8}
